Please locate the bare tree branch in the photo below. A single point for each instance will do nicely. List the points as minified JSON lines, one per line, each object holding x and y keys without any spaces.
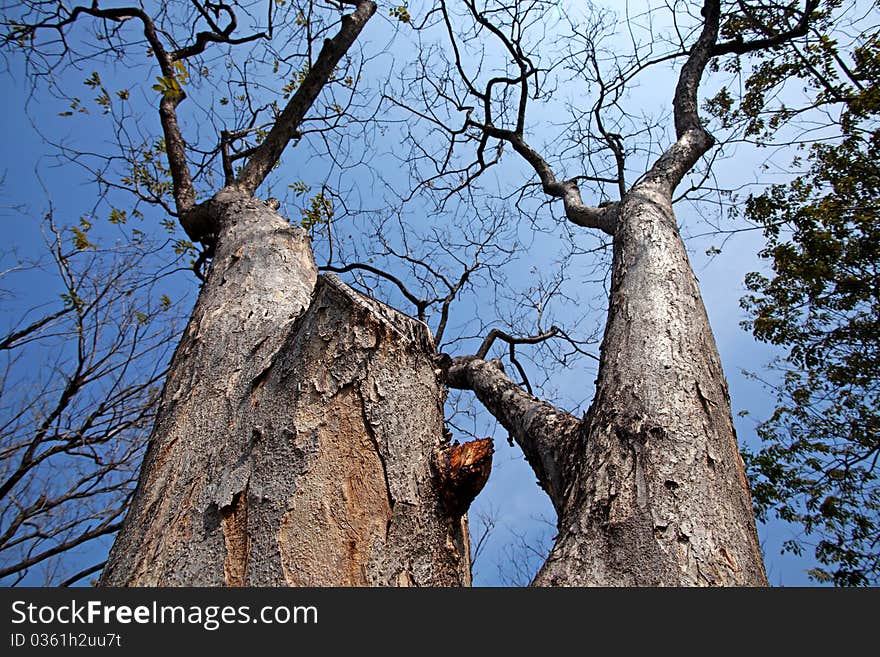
{"x":544,"y":433}
{"x":71,"y":432}
{"x":288,"y":122}
{"x":693,"y":139}
{"x":91,"y":570}
{"x":494,"y":334}
{"x":739,"y":46}
{"x":420,"y":304}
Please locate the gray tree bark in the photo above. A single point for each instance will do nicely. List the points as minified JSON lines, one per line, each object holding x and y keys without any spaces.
{"x":649,"y":485}
{"x":658,"y":495}
{"x":300,"y":439}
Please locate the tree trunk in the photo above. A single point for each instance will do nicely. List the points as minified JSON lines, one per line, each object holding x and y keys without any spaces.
{"x":649,"y":487}
{"x":299,"y":436}
{"x":658,"y":495}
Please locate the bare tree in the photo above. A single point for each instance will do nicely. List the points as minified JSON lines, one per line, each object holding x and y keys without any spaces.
{"x":649,"y":485}
{"x":83,"y":367}
{"x":300,"y":437}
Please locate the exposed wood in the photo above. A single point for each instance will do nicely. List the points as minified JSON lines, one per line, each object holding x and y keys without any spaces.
{"x":463,"y":471}
{"x":295,"y":436}
{"x":544,"y":432}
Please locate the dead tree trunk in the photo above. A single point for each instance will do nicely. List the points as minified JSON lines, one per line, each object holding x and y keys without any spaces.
{"x":300,"y":437}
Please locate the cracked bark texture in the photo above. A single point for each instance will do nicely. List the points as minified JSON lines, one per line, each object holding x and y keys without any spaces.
{"x":658,"y":495}
{"x":296,"y":435}
{"x":649,"y":487}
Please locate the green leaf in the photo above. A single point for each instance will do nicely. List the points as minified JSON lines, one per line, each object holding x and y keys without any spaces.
{"x":168,"y":87}
{"x":319,"y":211}
{"x":80,"y":240}
{"x":401,"y":13}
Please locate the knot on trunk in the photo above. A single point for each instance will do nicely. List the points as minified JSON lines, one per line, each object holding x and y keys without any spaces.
{"x":463,"y":471}
{"x":200,"y":224}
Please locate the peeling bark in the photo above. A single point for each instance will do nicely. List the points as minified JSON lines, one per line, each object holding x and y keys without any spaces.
{"x":295,"y":437}
{"x":649,"y":486}
{"x":659,"y":495}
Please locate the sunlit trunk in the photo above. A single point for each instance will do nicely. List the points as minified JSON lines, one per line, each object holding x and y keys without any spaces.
{"x":298,"y":434}
{"x":657,"y":493}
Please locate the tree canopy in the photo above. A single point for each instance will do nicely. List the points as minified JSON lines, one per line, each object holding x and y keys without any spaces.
{"x":817,"y":466}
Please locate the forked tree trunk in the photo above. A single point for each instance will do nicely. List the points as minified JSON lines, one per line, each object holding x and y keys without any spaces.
{"x":300,"y":435}
{"x":649,"y":487}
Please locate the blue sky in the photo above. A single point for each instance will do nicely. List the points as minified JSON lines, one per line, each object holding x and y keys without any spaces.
{"x":511,"y":496}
